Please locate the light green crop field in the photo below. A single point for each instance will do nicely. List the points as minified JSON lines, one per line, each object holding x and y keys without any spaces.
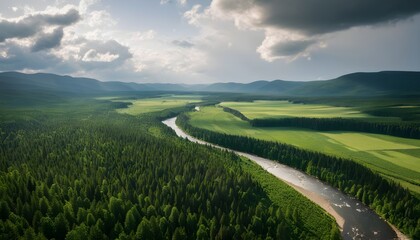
{"x":393,"y":157}
{"x":107,"y":98}
{"x":146,"y":105}
{"x":278,"y":109}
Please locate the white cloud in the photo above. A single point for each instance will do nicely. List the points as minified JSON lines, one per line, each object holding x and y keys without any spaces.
{"x":84,"y":5}
{"x":182,"y":2}
{"x":194,"y":15}
{"x":100,"y":19}
{"x":3,"y":53}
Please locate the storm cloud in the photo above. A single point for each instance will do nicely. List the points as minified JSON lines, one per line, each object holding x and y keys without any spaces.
{"x":279,"y":49}
{"x":32,"y":25}
{"x":299,"y":23}
{"x":20,"y":58}
{"x":318,"y":17}
{"x":48,"y":40}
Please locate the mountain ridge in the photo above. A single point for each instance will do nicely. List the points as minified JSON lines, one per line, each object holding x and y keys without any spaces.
{"x":353,"y":84}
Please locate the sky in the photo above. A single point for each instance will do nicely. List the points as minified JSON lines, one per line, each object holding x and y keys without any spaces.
{"x":207,"y":41}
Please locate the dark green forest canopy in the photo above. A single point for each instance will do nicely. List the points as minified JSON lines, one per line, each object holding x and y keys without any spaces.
{"x":77,"y":170}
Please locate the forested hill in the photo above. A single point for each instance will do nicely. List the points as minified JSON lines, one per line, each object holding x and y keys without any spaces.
{"x":20,"y":82}
{"x":355,"y":84}
{"x":365,"y":84}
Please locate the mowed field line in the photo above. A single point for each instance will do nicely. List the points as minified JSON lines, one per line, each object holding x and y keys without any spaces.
{"x":398,"y":158}
{"x":277,"y":109}
{"x":364,"y":142}
{"x":391,"y":156}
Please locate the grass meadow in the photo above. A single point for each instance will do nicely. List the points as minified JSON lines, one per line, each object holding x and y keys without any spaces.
{"x":393,"y":157}
{"x":148,"y":105}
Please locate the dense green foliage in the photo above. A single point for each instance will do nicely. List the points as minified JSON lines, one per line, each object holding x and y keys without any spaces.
{"x":92,"y":173}
{"x":407,"y":130}
{"x":235,"y":113}
{"x":388,"y":199}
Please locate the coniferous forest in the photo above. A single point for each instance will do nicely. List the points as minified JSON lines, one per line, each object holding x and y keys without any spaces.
{"x":87,"y":172}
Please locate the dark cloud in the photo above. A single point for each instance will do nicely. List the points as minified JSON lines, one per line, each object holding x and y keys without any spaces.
{"x":21,"y":29}
{"x":290,"y":48}
{"x":72,"y":16}
{"x":319,"y":17}
{"x":48,"y":40}
{"x":20,"y":58}
{"x":183,"y":43}
{"x":292,"y":27}
{"x":33,"y":24}
{"x":94,"y":56}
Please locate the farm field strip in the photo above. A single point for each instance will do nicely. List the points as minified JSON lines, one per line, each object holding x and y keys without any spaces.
{"x":390,"y":156}
{"x":282,"y":109}
{"x":366,"y":142}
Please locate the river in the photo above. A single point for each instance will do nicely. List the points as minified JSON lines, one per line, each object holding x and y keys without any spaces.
{"x":355,"y":219}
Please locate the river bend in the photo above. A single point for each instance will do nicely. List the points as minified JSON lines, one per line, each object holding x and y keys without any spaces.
{"x":355,"y":219}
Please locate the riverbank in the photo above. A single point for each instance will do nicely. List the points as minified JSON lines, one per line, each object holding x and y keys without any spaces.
{"x":400,"y":235}
{"x":322,"y":202}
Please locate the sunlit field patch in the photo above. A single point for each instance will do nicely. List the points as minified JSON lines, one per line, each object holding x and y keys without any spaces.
{"x":275,"y":109}
{"x":146,"y":105}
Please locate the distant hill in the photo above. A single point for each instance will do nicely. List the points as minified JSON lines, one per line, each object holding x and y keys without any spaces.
{"x":355,"y":84}
{"x":276,"y":86}
{"x":364,"y":84}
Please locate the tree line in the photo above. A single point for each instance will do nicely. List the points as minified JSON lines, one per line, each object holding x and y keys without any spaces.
{"x":388,"y":199}
{"x":406,"y":130}
{"x":235,"y":113}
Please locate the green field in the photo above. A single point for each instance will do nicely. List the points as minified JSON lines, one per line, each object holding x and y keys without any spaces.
{"x":147,"y":105}
{"x":277,"y":109}
{"x":394,"y":157}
